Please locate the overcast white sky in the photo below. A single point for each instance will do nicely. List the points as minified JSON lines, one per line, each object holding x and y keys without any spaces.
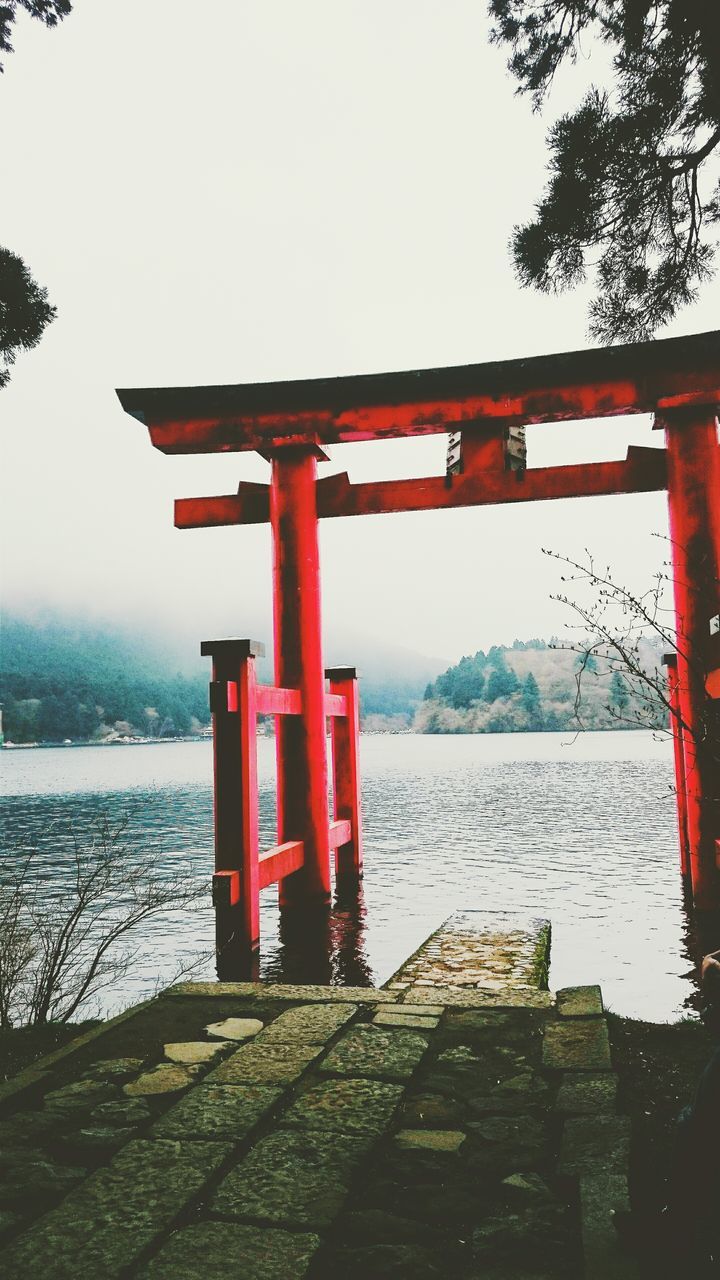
{"x":249,"y":190}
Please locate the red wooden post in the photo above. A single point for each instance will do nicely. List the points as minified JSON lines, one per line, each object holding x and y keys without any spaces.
{"x":694,"y":505}
{"x":676,"y":726}
{"x":236,"y":886}
{"x":301,"y":740}
{"x":345,"y":736}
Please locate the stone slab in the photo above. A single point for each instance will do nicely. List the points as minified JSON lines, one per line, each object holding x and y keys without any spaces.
{"x":113,"y":1070}
{"x":223,"y":1112}
{"x":169,"y":1077}
{"x":408,"y":1009}
{"x":345,"y":1106}
{"x":294,"y":1177}
{"x":577,"y":1045}
{"x":101,"y":1228}
{"x":413,"y":1021}
{"x":587,"y":1092}
{"x":309,"y":1024}
{"x":591,"y":1144}
{"x":606,"y":1258}
{"x":580,"y":1002}
{"x":430,"y":1139}
{"x":192,"y":1052}
{"x":227,"y":1251}
{"x":391,"y":1054}
{"x":80,"y":1096}
{"x":263,"y":1063}
{"x":515,"y":997}
{"x":234,"y":1028}
{"x":282,"y":991}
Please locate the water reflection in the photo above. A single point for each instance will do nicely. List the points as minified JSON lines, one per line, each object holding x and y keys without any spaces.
{"x":581,"y":832}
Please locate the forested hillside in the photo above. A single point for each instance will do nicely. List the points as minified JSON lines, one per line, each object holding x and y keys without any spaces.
{"x":61,"y":680}
{"x":58,"y":681}
{"x":531,"y":687}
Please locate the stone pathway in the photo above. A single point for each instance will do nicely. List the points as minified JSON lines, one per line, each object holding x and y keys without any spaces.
{"x":327,"y":1133}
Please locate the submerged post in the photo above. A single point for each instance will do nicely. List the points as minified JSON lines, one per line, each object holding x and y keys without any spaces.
{"x":236,"y":886}
{"x":693,"y":484}
{"x":301,"y":740}
{"x":345,"y":738}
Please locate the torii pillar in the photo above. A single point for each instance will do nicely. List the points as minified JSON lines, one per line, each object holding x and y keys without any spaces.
{"x":301,"y":743}
{"x":693,"y":486}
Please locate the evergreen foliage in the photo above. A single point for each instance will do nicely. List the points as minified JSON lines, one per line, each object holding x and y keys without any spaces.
{"x":24,"y":311}
{"x":530,"y":687}
{"x":633,"y":180}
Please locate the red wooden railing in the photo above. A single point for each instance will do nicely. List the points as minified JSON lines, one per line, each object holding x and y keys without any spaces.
{"x":241,"y":869}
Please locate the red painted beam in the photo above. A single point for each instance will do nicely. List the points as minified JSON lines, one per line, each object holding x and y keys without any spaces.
{"x":335,"y":704}
{"x":340,"y":832}
{"x":642,"y":472}
{"x":272,"y":701}
{"x":597,"y":383}
{"x":280,"y":861}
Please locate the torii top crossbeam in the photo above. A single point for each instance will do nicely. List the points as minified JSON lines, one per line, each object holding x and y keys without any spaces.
{"x":605,"y":382}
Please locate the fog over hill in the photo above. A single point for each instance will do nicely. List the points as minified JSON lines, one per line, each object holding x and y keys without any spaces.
{"x":63,"y":678}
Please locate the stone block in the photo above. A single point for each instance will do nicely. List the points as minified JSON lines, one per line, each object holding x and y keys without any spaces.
{"x":308,"y":1024}
{"x":265,"y":1063}
{"x":167,"y":1078}
{"x":432,"y":1110}
{"x":295,"y":1177}
{"x":580,"y":1002}
{"x":29,"y":1177}
{"x":234,"y":1029}
{"x":227,"y":1251}
{"x":113,"y":1070}
{"x":387,"y":1018}
{"x":123,"y":1111}
{"x":408,"y":1009}
{"x":194,"y":1052}
{"x":282,"y":991}
{"x":101,"y":1228}
{"x":222,"y":1112}
{"x":346,"y":1106}
{"x":591,"y":1144}
{"x":371,"y":1051}
{"x":430,"y":1139}
{"x":605,"y":1256}
{"x":80,"y":1096}
{"x":506,"y":997}
{"x":577,"y":1045}
{"x":587,"y":1092}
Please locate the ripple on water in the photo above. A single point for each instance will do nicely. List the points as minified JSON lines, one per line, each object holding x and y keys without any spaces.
{"x":581,"y":830}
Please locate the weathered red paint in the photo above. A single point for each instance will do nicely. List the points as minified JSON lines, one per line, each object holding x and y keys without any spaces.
{"x":280,"y":861}
{"x":678,"y":733}
{"x":236,"y":886}
{"x":694,"y":507}
{"x":643,"y":471}
{"x":638,"y":378}
{"x":301,"y":741}
{"x":289,"y":422}
{"x":345,"y":733}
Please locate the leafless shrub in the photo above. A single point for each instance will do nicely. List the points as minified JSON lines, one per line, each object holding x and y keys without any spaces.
{"x":59,"y":947}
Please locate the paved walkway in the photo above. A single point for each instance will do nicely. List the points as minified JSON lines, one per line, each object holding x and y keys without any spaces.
{"x":266,"y":1132}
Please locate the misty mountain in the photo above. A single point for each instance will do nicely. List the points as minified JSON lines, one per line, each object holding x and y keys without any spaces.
{"x":63,"y":678}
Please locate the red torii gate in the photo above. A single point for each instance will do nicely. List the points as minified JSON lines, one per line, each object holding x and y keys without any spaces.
{"x":677,"y":380}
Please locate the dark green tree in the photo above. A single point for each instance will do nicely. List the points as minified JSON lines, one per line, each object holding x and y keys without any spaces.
{"x":531,"y":701}
{"x":632,"y":182}
{"x":48,"y":11}
{"x":24,"y":311}
{"x":502,"y":681}
{"x":619,"y":697}
{"x":24,"y":308}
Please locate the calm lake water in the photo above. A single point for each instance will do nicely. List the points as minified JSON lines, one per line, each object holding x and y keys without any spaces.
{"x":580,"y":830}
